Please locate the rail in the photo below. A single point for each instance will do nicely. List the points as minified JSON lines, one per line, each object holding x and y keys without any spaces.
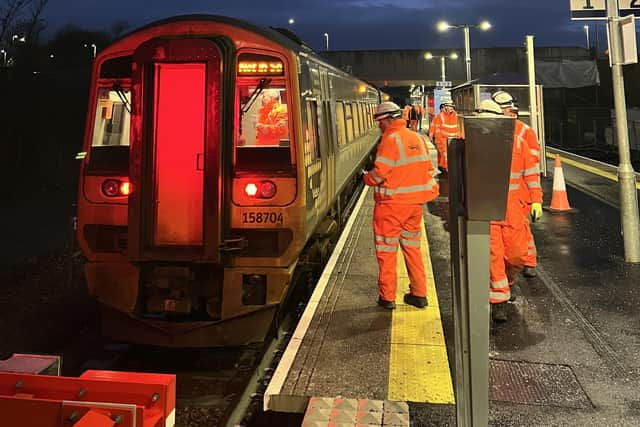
{"x":610,"y":171}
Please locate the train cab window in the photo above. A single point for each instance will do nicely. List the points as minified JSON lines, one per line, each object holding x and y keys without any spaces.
{"x":110,"y":143}
{"x":340,"y":128}
{"x":356,"y":119}
{"x":263,"y":139}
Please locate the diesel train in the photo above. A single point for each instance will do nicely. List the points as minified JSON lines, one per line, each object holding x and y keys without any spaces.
{"x":219,"y":156}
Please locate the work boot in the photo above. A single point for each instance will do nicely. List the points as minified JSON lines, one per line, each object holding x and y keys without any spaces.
{"x":420,"y":302}
{"x":386,"y":304}
{"x":499,"y":312}
{"x":529,"y":271}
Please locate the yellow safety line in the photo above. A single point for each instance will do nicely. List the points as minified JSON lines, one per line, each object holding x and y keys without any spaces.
{"x":418,"y":363}
{"x":592,"y":169}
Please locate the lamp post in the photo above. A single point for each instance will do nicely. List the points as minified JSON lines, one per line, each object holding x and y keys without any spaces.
{"x":16,"y":37}
{"x":484,"y":26}
{"x":93,"y":49}
{"x":326,"y":41}
{"x":586,"y":33}
{"x":443,"y":75}
{"x":291,"y":22}
{"x":4,"y":57}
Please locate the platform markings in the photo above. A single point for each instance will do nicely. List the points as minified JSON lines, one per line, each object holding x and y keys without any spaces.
{"x":591,"y":169}
{"x":284,"y":366}
{"x":418,"y":363}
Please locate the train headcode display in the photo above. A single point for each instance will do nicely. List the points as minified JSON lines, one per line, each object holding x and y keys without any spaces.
{"x":259,"y":65}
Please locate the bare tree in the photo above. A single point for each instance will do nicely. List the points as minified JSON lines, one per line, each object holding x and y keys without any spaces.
{"x":10,"y":13}
{"x":118,"y":28}
{"x":35,"y":25}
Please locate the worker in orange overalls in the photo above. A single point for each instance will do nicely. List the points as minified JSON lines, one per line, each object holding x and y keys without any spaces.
{"x":507,"y":103}
{"x":508,"y":244}
{"x":405,"y":114}
{"x":446,"y":126}
{"x":272,"y":123}
{"x":403,"y":182}
{"x":414,"y":112}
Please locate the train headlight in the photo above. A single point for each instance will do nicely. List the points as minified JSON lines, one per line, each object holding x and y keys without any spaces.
{"x":267,"y":189}
{"x":251,"y":189}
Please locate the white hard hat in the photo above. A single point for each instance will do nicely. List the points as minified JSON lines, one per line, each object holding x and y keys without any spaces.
{"x":272,"y":93}
{"x":387,"y":110}
{"x":503,"y":99}
{"x":447,"y":101}
{"x":489,"y":106}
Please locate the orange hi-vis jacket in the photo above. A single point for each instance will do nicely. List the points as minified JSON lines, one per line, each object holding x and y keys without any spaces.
{"x":525,"y":132}
{"x":402,"y":172}
{"x":272,"y":124}
{"x":524,"y":183}
{"x":447,"y":127}
{"x":433,"y":127}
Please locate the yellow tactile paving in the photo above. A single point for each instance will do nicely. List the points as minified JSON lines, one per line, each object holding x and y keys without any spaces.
{"x":418,"y":362}
{"x":592,"y":169}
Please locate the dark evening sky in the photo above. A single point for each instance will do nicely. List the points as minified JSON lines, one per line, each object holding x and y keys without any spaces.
{"x":353,"y":24}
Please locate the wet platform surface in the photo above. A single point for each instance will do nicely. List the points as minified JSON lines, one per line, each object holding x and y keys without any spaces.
{"x":567,"y":356}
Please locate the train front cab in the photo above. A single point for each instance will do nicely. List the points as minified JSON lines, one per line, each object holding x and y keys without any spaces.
{"x":190,"y":220}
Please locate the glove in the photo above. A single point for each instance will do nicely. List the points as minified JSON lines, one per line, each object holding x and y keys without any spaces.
{"x":536,"y":211}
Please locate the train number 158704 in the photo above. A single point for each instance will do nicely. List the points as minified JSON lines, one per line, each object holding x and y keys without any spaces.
{"x":262,"y":218}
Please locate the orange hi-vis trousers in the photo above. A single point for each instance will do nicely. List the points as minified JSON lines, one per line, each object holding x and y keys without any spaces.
{"x":508,"y":248}
{"x":393,"y":225}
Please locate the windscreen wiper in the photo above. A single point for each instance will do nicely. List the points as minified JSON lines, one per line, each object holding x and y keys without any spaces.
{"x":262,"y":85}
{"x":123,"y":97}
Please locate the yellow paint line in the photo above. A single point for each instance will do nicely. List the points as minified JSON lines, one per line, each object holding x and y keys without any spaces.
{"x":591,"y":169}
{"x":418,"y":363}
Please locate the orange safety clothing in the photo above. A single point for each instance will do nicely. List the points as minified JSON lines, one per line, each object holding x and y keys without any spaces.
{"x":446,"y":127}
{"x":402,"y":178}
{"x":508,"y":237}
{"x":272,"y":123}
{"x":528,"y":134}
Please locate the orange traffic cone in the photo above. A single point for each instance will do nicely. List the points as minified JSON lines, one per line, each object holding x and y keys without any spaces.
{"x":559,"y":200}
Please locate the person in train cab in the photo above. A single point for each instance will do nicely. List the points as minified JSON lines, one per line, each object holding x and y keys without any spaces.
{"x":446,"y":127}
{"x":402,"y":181}
{"x":530,"y":210}
{"x":272,"y":123}
{"x":508,"y":244}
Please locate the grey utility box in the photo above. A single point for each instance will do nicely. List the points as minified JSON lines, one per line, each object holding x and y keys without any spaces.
{"x":487,"y":165}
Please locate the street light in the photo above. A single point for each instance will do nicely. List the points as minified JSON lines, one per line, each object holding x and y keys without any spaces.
{"x":326,"y":39}
{"x":291,"y":22}
{"x":4,"y":57}
{"x":16,"y":37}
{"x":484,"y":26}
{"x":586,"y":33}
{"x":429,"y":56}
{"x":93,"y":48}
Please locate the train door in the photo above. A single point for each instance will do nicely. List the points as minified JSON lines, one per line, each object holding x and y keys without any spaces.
{"x":327,"y":130}
{"x":176,"y":150}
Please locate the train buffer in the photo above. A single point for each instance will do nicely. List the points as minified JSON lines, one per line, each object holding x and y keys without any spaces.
{"x":31,"y":398}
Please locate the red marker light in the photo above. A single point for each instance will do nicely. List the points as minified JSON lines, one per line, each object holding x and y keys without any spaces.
{"x":111,"y":187}
{"x":251,"y":189}
{"x":267,"y":189}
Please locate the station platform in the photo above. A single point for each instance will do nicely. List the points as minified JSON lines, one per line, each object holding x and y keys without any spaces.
{"x":567,"y":356}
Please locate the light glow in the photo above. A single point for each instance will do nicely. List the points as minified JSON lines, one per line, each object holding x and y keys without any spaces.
{"x":484,"y":25}
{"x":253,"y":68}
{"x":443,"y":26}
{"x":428,"y":56}
{"x":125,"y":188}
{"x":453,"y":55}
{"x":251,"y":189}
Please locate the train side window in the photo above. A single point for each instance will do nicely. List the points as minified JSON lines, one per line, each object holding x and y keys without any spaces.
{"x":342,"y":139}
{"x":348,"y":121}
{"x":264,"y":119}
{"x":311,"y":138}
{"x":110,"y":143}
{"x":356,"y":119}
{"x":363,"y":123}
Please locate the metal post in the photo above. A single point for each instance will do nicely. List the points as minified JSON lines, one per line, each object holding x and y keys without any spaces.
{"x":626,"y":174}
{"x":326,"y":36}
{"x":586,"y":33}
{"x":467,"y":52}
{"x":533,"y":103}
{"x":442,"y":69}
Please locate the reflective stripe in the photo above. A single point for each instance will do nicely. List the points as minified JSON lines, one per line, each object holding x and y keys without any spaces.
{"x":403,"y":157}
{"x":411,"y":234}
{"x":375,"y":176}
{"x":386,"y":161}
{"x":414,"y":243}
{"x":513,"y":187}
{"x":499,"y":296}
{"x":531,"y":251}
{"x":450,"y":126}
{"x":414,"y":159}
{"x":535,"y":152}
{"x":516,"y":175}
{"x":533,"y":184}
{"x":383,"y":248}
{"x":405,"y":190}
{"x":532,"y":171}
{"x":500,"y":284}
{"x":387,"y":240}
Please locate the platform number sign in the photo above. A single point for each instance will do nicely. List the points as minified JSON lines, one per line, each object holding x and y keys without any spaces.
{"x":597,"y":9}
